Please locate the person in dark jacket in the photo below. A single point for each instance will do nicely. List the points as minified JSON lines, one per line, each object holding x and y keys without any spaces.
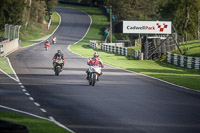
{"x":57,"y":55}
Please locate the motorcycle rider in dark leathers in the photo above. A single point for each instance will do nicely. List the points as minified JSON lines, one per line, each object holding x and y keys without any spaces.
{"x":58,"y":54}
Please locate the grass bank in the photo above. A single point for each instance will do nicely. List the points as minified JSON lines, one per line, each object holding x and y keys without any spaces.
{"x":34,"y":125}
{"x":174,"y":74}
{"x":192,"y":48}
{"x":37,"y":31}
{"x":25,"y":43}
{"x":5,"y":66}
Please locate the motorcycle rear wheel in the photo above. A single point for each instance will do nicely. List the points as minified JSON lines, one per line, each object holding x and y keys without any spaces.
{"x":56,"y":73}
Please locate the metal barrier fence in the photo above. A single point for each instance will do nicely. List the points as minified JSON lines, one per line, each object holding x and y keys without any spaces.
{"x":11,"y":32}
{"x":114,"y":49}
{"x":118,"y":50}
{"x":183,"y":61}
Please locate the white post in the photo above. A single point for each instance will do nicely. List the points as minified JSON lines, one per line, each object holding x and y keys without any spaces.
{"x":197,"y":63}
{"x":175,"y":59}
{"x":169,"y":57}
{"x":18,"y":30}
{"x":189,"y":62}
{"x":182,"y":60}
{"x":9,"y":32}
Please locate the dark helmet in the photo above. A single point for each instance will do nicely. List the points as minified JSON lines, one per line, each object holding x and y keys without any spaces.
{"x":59,"y":52}
{"x":47,"y":41}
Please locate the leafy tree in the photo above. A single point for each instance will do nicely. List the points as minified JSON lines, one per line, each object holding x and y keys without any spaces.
{"x":183,"y":14}
{"x":11,"y":12}
{"x":24,"y":12}
{"x":132,"y":9}
{"x":50,"y":4}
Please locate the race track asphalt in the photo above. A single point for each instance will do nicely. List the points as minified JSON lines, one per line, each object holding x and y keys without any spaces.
{"x":121,"y":102}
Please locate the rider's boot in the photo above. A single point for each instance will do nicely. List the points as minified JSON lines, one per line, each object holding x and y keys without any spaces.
{"x":87,"y":76}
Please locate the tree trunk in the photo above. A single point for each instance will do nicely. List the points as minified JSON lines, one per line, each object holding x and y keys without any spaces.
{"x":26,"y":12}
{"x":187,"y":17}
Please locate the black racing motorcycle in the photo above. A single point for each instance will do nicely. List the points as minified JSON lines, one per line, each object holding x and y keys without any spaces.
{"x":58,"y":65}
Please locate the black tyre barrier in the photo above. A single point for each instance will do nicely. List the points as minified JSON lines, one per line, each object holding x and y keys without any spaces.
{"x":8,"y":127}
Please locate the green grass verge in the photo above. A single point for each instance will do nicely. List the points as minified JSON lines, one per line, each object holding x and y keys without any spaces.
{"x":189,"y":49}
{"x":34,"y":125}
{"x":37,"y":31}
{"x":135,"y":48}
{"x":5,"y":66}
{"x":162,"y":70}
{"x":24,"y":44}
{"x":195,"y":52}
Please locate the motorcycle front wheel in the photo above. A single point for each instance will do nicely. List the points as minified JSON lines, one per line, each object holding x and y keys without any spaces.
{"x":90,"y":79}
{"x":58,"y":69}
{"x":93,"y":79}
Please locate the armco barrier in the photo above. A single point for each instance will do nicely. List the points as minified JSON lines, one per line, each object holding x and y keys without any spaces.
{"x":183,"y":61}
{"x":117,"y":50}
{"x":114,"y":49}
{"x":8,"y":47}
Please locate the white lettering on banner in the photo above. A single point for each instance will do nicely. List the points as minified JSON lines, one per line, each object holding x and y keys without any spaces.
{"x":148,"y":27}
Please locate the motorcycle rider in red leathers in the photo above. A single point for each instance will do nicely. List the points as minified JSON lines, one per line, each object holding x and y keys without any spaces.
{"x":46,"y":44}
{"x":58,"y":54}
{"x":95,"y":60}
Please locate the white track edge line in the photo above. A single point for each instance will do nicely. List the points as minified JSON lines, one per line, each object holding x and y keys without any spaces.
{"x":156,"y":79}
{"x":37,"y":116}
{"x":22,"y":86}
{"x":17,"y":78}
{"x":23,"y":112}
{"x":8,"y":75}
{"x":31,"y":98}
{"x":61,"y":125}
{"x":37,"y":104}
{"x":43,"y":110}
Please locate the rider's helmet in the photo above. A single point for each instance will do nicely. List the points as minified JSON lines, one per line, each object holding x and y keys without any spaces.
{"x":59,"y":53}
{"x":96,"y":55}
{"x":47,"y":41}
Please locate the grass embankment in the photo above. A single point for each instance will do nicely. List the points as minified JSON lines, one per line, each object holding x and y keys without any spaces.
{"x":34,"y":125}
{"x":192,"y":48}
{"x":135,"y":48}
{"x":38,"y":31}
{"x":174,"y":74}
{"x":5,"y":66}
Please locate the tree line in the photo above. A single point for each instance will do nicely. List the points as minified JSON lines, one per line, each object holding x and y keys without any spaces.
{"x":24,"y":12}
{"x":182,"y":13}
